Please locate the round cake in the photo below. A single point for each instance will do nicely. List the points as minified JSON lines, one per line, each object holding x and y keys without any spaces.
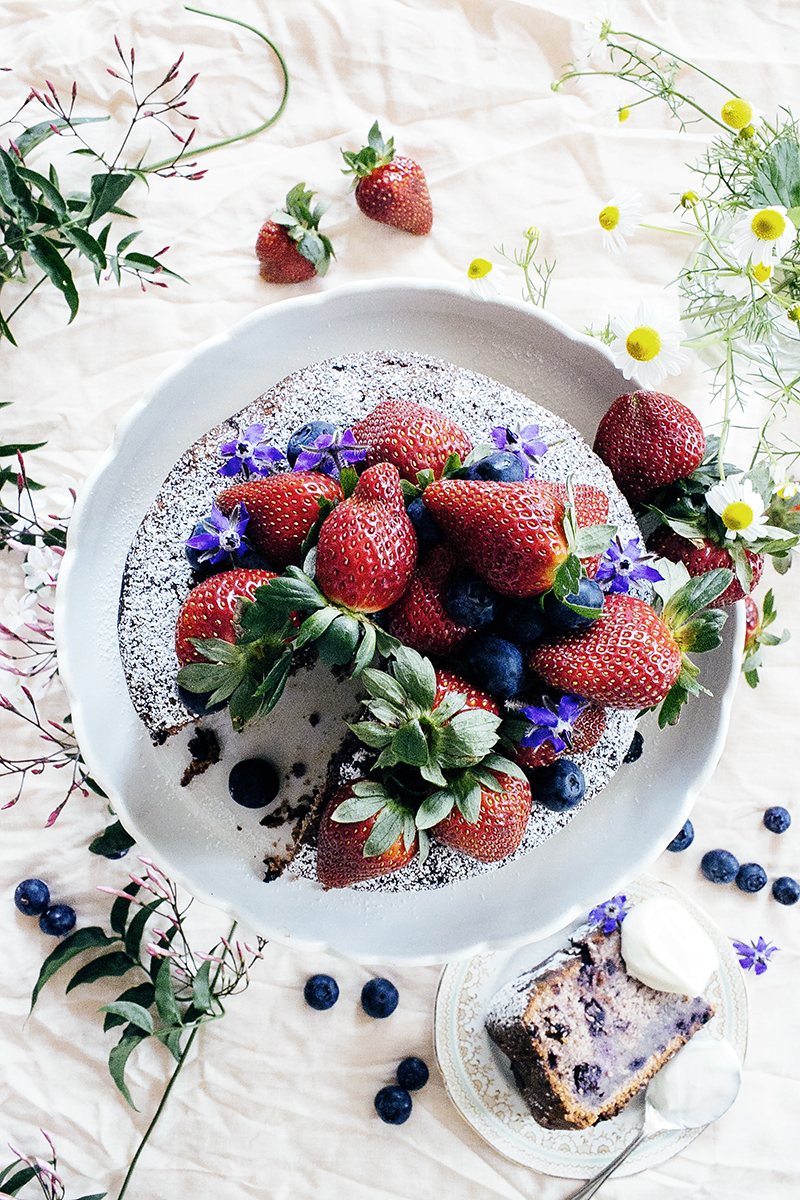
{"x":306,"y":733}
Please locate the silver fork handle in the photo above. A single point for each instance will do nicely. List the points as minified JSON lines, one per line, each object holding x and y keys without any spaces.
{"x":591,"y":1186}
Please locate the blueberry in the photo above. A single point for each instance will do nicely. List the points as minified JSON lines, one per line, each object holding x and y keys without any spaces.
{"x":32,"y":897}
{"x":497,"y":666}
{"x":412,"y":1074}
{"x":393,"y":1104}
{"x":501,"y":466}
{"x":470,"y":600}
{"x":321,"y":992}
{"x":786,"y":890}
{"x":635,"y":751}
{"x":304,"y":436}
{"x":719,"y":866}
{"x":683,"y":839}
{"x":559,"y":786}
{"x":777,"y":819}
{"x":196,"y":702}
{"x":519,"y":621}
{"x":427,"y":531}
{"x":560,"y":616}
{"x":751,"y":877}
{"x":57,"y":920}
{"x":253,"y":782}
{"x":379,"y":998}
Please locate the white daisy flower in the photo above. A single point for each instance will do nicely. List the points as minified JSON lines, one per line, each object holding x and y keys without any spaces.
{"x":741,"y":508}
{"x":485,"y":279}
{"x":595,"y":33}
{"x":41,"y":566}
{"x":762,"y":236}
{"x":647,"y":346}
{"x":619,"y":219}
{"x":785,"y":487}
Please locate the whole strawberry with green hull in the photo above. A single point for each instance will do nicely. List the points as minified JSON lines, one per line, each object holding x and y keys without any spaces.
{"x":282,"y":509}
{"x":513,"y":534}
{"x":212,"y":608}
{"x":649,"y":440}
{"x":364,"y":833}
{"x":701,"y":555}
{"x":420,"y":618}
{"x":630,"y":657}
{"x":367,"y":548}
{"x":389,"y":187}
{"x":290,"y":247}
{"x":494,"y":827}
{"x":411,"y":436}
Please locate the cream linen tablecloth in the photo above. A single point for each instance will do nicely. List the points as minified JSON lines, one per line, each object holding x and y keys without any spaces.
{"x":274,"y":1101}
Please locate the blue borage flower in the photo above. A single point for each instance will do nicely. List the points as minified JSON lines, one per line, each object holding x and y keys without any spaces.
{"x":755,"y":956}
{"x":611,"y":914}
{"x":554,"y":723}
{"x":621,"y":565}
{"x":525,"y":444}
{"x":249,"y":452}
{"x":222,"y":536}
{"x":329,"y":453}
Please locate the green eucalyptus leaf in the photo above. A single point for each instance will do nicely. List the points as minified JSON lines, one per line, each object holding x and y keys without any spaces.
{"x":90,"y":938}
{"x":118,"y":1059}
{"x":87,"y":245}
{"x":116,"y":963}
{"x":14,"y":193}
{"x":51,"y":193}
{"x":133,"y":1013}
{"x":165,"y":997}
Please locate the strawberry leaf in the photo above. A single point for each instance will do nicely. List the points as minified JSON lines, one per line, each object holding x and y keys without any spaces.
{"x":338,"y":642}
{"x":469,"y":801}
{"x":704,"y":631}
{"x":593,"y":539}
{"x":567,"y":578}
{"x":387,"y":829}
{"x":371,"y":733}
{"x":381,"y":686}
{"x":416,"y":676}
{"x":694,"y":595}
{"x":452,"y":703}
{"x":435,"y":808}
{"x":496,"y":762}
{"x":386,"y":644}
{"x":410,"y":744}
{"x":424,"y":846}
{"x":315,"y":625}
{"x":409,"y":830}
{"x":358,"y":808}
{"x":432,"y":773}
{"x":366,"y":648}
{"x":215,"y":649}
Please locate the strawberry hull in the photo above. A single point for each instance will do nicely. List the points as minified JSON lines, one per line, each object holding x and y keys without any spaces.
{"x":699,"y":559}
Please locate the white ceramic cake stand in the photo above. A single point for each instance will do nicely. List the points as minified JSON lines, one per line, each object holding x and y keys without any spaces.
{"x":212,"y":849}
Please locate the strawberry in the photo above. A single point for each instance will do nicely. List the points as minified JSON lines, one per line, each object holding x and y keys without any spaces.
{"x":211,"y":610}
{"x":752,"y":621}
{"x":448,"y":681}
{"x":389,"y":188}
{"x":501,"y":821}
{"x":420,"y":618}
{"x":352,"y":846}
{"x":649,"y":440}
{"x":282,"y":509}
{"x":582,"y":735}
{"x":367,"y":547}
{"x":412,"y":436}
{"x":290,"y":247}
{"x":512,"y":534}
{"x":704,"y":557}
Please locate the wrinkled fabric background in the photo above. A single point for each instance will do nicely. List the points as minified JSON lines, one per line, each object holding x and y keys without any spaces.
{"x":276,"y":1100}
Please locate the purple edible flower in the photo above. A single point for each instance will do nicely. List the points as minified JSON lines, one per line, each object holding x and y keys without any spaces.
{"x":221,"y":536}
{"x":526,"y":445}
{"x":620,"y":565}
{"x":554,"y":724}
{"x":250,"y":453}
{"x":612,"y":914}
{"x":755,"y":955}
{"x":330,"y":454}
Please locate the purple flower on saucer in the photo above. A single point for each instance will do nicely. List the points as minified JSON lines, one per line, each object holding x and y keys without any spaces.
{"x":329,"y":453}
{"x":553,"y":722}
{"x":622,"y":565}
{"x":755,"y":956}
{"x":611,"y":914}
{"x":526,"y":444}
{"x":216,"y":536}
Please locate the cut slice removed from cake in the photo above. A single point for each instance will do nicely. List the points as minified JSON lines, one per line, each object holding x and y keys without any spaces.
{"x":583,"y":1036}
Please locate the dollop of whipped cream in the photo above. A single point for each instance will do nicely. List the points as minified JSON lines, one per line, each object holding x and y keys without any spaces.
{"x":698,"y":1084}
{"x":664,"y":947}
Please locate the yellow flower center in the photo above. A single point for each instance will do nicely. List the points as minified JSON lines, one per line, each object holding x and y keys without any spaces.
{"x":768,"y":225}
{"x":737,"y":515}
{"x":479,"y":268}
{"x":623,"y":114}
{"x":643,"y":343}
{"x":609,"y":217}
{"x":737,"y":113}
{"x":761,"y":272}
{"x":689,"y":199}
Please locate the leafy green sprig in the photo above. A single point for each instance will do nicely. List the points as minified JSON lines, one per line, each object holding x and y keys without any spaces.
{"x":26,"y":1168}
{"x":536,"y":275}
{"x":758,"y":638}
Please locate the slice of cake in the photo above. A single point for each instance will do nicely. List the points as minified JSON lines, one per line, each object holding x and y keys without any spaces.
{"x":583,"y":1035}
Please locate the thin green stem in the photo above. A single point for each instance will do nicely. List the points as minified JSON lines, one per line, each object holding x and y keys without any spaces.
{"x":239,"y":137}
{"x":677,"y":57}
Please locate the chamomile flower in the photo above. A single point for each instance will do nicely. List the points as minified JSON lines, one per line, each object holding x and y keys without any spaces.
{"x":646,"y":345}
{"x":619,"y":218}
{"x":762,"y":236}
{"x":786,"y":488}
{"x":737,"y":113}
{"x":594,"y":34}
{"x":741,"y":508}
{"x":485,"y":278}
